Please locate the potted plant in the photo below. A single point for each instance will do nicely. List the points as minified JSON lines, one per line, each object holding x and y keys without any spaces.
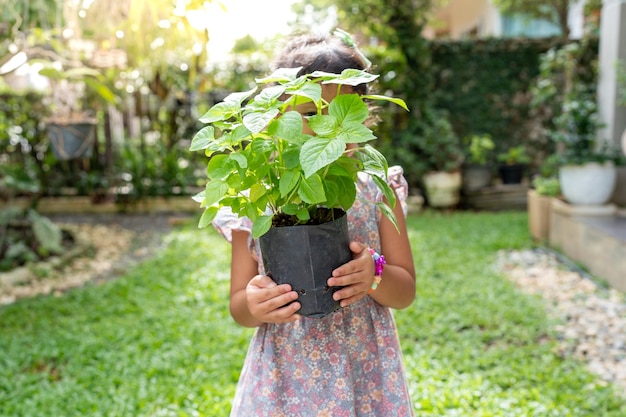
{"x":476,"y":172}
{"x":587,"y":171}
{"x":442,"y":155}
{"x":513,"y":163}
{"x":586,"y":167}
{"x":262,"y":166}
{"x":72,"y":126}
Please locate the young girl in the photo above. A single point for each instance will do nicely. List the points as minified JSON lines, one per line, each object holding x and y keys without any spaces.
{"x":348,"y":363}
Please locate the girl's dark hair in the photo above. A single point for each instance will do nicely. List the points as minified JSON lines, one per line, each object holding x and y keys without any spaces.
{"x":320,"y":53}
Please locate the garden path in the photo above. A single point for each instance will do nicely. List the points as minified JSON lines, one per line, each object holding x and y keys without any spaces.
{"x":591,"y":318}
{"x":119,"y":242}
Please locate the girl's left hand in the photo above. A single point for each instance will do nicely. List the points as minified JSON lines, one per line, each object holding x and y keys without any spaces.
{"x":355,"y":276}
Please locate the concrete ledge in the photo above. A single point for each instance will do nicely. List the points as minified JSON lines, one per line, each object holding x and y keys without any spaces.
{"x":76,"y":204}
{"x":594,"y":237}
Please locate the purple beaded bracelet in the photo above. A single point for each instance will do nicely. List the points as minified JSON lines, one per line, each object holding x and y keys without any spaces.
{"x":379,"y":262}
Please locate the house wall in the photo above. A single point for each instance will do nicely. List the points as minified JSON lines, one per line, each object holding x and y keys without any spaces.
{"x":460,"y":18}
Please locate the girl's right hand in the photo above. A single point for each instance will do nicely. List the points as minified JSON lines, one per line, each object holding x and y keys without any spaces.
{"x":270,"y":302}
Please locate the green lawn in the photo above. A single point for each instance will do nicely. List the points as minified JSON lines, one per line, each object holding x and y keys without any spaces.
{"x":159,"y":341}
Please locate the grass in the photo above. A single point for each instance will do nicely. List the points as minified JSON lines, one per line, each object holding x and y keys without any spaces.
{"x":159,"y":341}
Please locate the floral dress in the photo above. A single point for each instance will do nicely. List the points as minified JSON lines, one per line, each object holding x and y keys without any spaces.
{"x":348,"y":363}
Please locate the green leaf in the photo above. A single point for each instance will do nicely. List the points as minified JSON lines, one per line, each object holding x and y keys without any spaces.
{"x":350,"y":76}
{"x":288,"y":181}
{"x":346,"y":191}
{"x":317,"y":153}
{"x":199,"y":197}
{"x":219,"y":145}
{"x":220,"y":111}
{"x":280,"y":75}
{"x":101,"y":89}
{"x":237,"y":98}
{"x":311,"y":190}
{"x":240,"y":159}
{"x":374,"y":161}
{"x":268,"y":96}
{"x":323,"y":125}
{"x":348,"y":108}
{"x":261,"y":225}
{"x":258,"y":120}
{"x":202,"y":139}
{"x":250,"y":210}
{"x":219,"y":167}
{"x":346,"y":166}
{"x":48,"y":234}
{"x":257,"y":191}
{"x":394,"y":100}
{"x":207,"y":217}
{"x":303,"y":215}
{"x":388,"y":212}
{"x":385,"y":189}
{"x":238,"y":134}
{"x":312,"y":91}
{"x":215,"y":190}
{"x":291,"y":209}
{"x":355,"y":133}
{"x":291,"y":158}
{"x":288,"y":127}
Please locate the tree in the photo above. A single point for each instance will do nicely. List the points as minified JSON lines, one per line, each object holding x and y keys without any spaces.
{"x":551,"y":10}
{"x":396,"y":24}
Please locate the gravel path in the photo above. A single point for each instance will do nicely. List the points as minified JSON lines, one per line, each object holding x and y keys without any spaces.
{"x":592,"y":317}
{"x":117,"y":242}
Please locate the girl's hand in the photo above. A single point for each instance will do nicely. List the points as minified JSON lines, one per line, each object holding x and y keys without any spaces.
{"x":269,"y":302}
{"x":355,"y":276}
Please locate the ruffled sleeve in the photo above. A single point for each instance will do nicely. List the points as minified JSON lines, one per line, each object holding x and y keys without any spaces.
{"x":396,"y":180}
{"x":226,"y":221}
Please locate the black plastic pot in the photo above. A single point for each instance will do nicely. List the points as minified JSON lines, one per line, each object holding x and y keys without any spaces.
{"x":512,"y":174}
{"x":304,"y":256}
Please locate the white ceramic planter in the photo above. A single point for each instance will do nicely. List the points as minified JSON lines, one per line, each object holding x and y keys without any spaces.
{"x":588,"y":184}
{"x":443,"y":189}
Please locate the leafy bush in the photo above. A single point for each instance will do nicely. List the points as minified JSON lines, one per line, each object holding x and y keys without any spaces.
{"x":26,"y":236}
{"x":479,"y":149}
{"x":548,"y":186}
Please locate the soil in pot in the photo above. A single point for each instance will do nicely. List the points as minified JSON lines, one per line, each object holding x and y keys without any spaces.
{"x":304,"y":256}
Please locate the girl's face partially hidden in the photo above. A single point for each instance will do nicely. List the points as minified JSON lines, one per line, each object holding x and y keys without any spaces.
{"x":329,"y":92}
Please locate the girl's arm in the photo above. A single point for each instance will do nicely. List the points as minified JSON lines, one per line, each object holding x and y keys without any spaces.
{"x":256,"y":299}
{"x":397,"y":288}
